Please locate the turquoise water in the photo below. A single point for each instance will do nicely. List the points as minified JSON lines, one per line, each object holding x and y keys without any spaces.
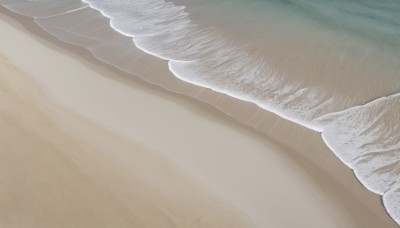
{"x":331,"y":66}
{"x":374,"y":20}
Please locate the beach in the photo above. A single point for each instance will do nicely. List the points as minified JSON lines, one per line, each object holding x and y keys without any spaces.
{"x":84,"y":144}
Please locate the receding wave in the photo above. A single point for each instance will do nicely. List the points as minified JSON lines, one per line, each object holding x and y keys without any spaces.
{"x":331,"y":66}
{"x":367,"y":139}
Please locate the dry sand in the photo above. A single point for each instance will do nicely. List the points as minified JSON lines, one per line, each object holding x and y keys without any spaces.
{"x":83,"y":145}
{"x":85,"y":176}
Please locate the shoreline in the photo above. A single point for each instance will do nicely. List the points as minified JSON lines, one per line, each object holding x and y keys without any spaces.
{"x":281,"y":128}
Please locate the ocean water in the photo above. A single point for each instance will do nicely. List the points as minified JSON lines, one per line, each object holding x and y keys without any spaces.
{"x":329,"y":65}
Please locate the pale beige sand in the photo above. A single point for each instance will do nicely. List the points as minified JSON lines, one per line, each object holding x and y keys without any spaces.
{"x":110,"y":180}
{"x":85,"y":176}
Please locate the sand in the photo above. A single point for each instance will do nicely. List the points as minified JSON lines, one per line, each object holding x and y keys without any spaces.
{"x":88,"y":177}
{"x":85,"y":145}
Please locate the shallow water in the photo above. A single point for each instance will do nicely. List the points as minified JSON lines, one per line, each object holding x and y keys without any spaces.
{"x":332,"y":66}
